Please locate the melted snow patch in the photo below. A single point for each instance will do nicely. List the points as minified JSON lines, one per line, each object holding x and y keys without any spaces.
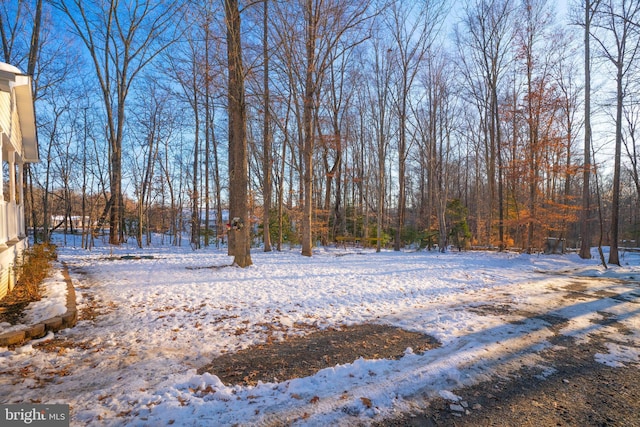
{"x":619,"y":355}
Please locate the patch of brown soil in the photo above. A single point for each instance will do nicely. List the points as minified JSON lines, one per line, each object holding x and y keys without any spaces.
{"x":13,"y":304}
{"x":61,"y":345}
{"x":298,"y":357}
{"x":12,"y":312}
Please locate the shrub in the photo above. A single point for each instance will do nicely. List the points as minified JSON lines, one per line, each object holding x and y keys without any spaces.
{"x":36,"y":266}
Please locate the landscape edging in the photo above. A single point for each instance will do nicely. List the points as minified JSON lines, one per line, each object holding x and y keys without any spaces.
{"x":55,"y":324}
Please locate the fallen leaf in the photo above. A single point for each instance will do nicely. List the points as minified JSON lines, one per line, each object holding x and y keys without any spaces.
{"x":208,"y":389}
{"x":366,"y":402}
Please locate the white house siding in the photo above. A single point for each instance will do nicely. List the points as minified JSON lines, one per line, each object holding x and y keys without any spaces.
{"x":18,"y":144}
{"x":5,"y":113}
{"x":8,"y":259}
{"x":16,"y":134}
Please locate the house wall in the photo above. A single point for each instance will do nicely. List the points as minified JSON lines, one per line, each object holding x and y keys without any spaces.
{"x":9,"y":257}
{"x":9,"y":119}
{"x":16,"y":132}
{"x":15,"y":99}
{"x":5,"y":112}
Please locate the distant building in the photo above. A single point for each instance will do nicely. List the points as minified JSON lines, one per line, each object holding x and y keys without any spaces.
{"x":218,"y":230}
{"x":213,"y":221}
{"x":19,"y":146}
{"x":554,"y":245}
{"x":73,"y":223}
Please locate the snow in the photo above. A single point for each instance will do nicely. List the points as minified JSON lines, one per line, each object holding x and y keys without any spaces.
{"x":163,"y":312}
{"x":9,"y":68}
{"x":619,"y":355}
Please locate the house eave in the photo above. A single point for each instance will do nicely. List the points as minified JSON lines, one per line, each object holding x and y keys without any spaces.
{"x":26,"y":112}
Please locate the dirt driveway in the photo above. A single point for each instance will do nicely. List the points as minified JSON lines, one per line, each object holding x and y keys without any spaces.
{"x":580,"y":392}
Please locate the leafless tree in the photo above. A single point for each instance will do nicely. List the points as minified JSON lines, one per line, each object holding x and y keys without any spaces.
{"x":487,"y":34}
{"x":121,"y":39}
{"x":376,"y":104}
{"x":413,"y":39}
{"x":618,"y":38}
{"x":155,"y":122}
{"x":266,"y":133}
{"x":585,"y":218}
{"x":323,"y":33}
{"x":240,"y":222}
{"x":435,"y":125}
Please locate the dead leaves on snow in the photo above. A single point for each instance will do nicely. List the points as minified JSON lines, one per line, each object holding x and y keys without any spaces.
{"x":366,"y":402}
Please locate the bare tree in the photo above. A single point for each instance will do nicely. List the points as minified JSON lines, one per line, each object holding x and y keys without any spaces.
{"x":266,"y":135}
{"x":489,"y":39}
{"x":585,"y":216}
{"x":435,"y":127}
{"x":618,"y":37}
{"x":568,"y":93}
{"x":378,"y":99}
{"x":534,"y":57}
{"x":631,"y":143}
{"x":413,"y":39}
{"x":239,"y":237}
{"x":156,"y":123}
{"x":323,"y":32}
{"x":14,"y":18}
{"x":334,"y":105}
{"x":121,"y":39}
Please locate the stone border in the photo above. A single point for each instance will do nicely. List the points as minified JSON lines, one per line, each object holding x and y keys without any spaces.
{"x":66,"y":320}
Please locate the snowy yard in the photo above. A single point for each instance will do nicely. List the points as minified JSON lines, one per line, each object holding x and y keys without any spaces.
{"x":161,"y":313}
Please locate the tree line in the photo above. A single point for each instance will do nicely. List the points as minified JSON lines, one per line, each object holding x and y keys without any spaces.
{"x":497,"y":123}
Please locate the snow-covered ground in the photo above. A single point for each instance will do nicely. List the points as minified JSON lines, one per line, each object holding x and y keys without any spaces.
{"x":162,"y":313}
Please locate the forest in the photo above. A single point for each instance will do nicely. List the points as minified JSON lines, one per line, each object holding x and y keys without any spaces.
{"x":501,"y":124}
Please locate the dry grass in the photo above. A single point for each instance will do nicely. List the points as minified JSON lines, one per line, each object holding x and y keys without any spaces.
{"x":38,"y":261}
{"x":36,"y":268}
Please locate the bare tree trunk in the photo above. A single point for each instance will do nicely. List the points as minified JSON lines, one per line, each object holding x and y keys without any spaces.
{"x":615,"y":202}
{"x":381,"y":187}
{"x":218,"y":185}
{"x":46,"y":224}
{"x":585,"y":214}
{"x":307,"y":120}
{"x":266,"y":134}
{"x":619,"y":19}
{"x":281,"y":194}
{"x":207,"y":132}
{"x":34,"y":49}
{"x":195,"y":209}
{"x":495,"y":123}
{"x":86,"y":226}
{"x":239,"y":233}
